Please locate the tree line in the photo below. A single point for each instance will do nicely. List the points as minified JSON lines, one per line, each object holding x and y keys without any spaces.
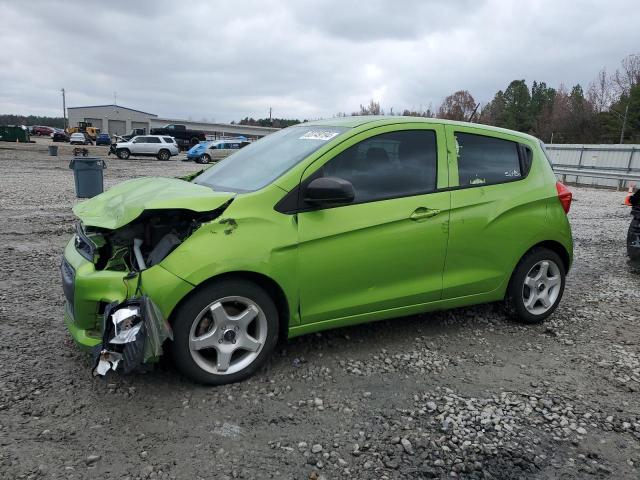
{"x":608,"y":112}
{"x":30,"y":120}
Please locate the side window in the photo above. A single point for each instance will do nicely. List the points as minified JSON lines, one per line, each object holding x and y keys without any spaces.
{"x":153,"y":140}
{"x":140,"y":140}
{"x":168,"y":139}
{"x":396,"y":164}
{"x":486,"y":160}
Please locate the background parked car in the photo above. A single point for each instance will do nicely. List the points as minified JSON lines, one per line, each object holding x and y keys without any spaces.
{"x":42,"y":131}
{"x":59,"y":136}
{"x":103,"y":139}
{"x":79,"y":138}
{"x":160,"y":146}
{"x":201,"y":153}
{"x":185,"y":138}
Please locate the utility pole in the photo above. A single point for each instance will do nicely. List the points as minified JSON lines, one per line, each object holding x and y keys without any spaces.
{"x":64,"y":110}
{"x":624,"y":123}
{"x":115,"y":98}
{"x":270,"y":122}
{"x":623,"y":118}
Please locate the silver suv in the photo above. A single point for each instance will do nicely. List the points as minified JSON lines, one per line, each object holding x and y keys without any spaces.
{"x":159,"y":146}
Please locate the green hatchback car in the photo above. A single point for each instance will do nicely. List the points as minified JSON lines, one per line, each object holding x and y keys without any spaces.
{"x":323,"y":225}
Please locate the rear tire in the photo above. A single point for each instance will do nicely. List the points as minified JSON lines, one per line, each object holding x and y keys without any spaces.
{"x":200,"y":320}
{"x":123,"y":153}
{"x":536,"y":286}
{"x":164,"y":155}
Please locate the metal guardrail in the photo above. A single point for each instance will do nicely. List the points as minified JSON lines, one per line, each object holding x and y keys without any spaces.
{"x":609,"y":173}
{"x":596,"y":174}
{"x":607,"y":165}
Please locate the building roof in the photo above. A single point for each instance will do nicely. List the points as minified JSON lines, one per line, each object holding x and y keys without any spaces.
{"x":112,"y":105}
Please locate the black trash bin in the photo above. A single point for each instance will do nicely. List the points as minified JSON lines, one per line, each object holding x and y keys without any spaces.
{"x":87,"y":172}
{"x":53,"y":150}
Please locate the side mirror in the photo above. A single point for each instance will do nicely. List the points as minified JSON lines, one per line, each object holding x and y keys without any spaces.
{"x":329,"y":190}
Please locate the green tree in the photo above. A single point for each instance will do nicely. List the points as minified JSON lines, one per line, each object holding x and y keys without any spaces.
{"x":541,"y":105}
{"x":517,"y":105}
{"x":613,"y":119}
{"x":493,"y":112}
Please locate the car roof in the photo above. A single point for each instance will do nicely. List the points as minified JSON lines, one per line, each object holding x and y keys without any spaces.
{"x":380,"y":120}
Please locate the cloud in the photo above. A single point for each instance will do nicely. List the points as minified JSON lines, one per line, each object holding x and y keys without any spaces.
{"x":228,"y":60}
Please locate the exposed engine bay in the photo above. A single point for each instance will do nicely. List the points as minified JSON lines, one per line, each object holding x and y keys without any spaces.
{"x":142,"y":243}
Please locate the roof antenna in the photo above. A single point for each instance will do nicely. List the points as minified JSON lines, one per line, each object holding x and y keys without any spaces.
{"x":474,"y":112}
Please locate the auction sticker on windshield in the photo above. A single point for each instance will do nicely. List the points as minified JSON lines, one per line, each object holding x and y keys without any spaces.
{"x":322,"y":135}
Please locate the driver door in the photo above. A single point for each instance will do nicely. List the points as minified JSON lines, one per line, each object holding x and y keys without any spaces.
{"x":387,"y":248}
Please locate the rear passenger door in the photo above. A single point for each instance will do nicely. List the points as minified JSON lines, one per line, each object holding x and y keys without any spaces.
{"x":153,"y":145}
{"x":496,"y":208}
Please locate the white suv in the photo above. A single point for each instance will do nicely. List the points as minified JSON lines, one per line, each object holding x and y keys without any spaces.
{"x":158,"y":146}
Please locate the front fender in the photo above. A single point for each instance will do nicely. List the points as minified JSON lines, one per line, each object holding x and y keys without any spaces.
{"x":250,"y":236}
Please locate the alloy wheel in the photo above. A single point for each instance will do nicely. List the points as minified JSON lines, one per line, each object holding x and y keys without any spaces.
{"x":228,"y":335}
{"x":541,"y":287}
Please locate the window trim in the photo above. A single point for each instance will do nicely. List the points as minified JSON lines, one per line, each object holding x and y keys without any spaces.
{"x":293,"y":202}
{"x":520,"y":148}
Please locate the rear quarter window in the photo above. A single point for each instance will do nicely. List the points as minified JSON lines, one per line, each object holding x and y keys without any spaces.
{"x":484,"y":160}
{"x":168,"y":139}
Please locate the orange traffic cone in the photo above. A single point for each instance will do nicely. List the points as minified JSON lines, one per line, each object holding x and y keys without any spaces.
{"x":627,"y":199}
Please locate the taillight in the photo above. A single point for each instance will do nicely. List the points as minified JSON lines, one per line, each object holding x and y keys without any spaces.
{"x":565,"y":196}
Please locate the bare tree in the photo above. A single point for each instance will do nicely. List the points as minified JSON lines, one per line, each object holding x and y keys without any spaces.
{"x":628,"y":75}
{"x":372,"y":109}
{"x":600,"y":93}
{"x":458,"y":106}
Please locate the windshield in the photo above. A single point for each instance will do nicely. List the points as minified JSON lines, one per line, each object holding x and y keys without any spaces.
{"x":261,"y":162}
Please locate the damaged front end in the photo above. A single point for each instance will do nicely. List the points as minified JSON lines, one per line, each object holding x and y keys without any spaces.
{"x":133,"y":334}
{"x":113,"y":263}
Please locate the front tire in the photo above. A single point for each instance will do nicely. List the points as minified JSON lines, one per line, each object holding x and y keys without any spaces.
{"x":224,"y":332}
{"x":536,"y":286}
{"x":123,"y":154}
{"x":204,"y":159}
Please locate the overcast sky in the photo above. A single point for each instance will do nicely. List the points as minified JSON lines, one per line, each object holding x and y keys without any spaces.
{"x":226,"y":60}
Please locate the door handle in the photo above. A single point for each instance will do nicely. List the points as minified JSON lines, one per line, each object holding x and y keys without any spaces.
{"x":422,"y":213}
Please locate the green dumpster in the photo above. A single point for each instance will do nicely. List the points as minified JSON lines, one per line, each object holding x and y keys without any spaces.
{"x":87,"y":172}
{"x":13,"y":133}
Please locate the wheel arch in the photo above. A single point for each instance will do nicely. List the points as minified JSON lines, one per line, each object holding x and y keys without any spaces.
{"x":557,"y":248}
{"x":267,"y":283}
{"x":552,"y":245}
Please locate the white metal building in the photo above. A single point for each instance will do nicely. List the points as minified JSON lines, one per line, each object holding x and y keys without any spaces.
{"x":119,"y":120}
{"x":113,"y":119}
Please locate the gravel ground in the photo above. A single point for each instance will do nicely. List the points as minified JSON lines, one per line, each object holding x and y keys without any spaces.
{"x":464,"y":393}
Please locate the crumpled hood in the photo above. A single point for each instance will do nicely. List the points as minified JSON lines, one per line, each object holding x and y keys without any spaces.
{"x":125,"y":202}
